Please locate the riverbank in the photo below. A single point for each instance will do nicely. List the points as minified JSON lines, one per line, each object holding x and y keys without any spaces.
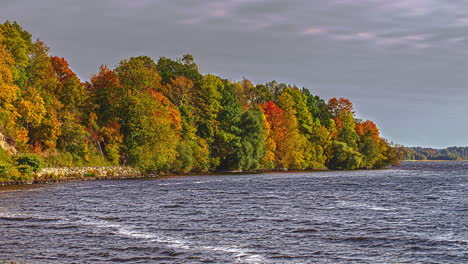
{"x":70,"y":174}
{"x":66,"y":174}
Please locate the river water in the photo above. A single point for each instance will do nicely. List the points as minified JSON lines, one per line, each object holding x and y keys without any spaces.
{"x":415,"y":213}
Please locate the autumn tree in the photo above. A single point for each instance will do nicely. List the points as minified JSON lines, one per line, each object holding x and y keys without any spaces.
{"x":138,"y":74}
{"x":290,"y":150}
{"x":70,"y":91}
{"x":8,"y":95}
{"x":107,"y":95}
{"x":346,"y":129}
{"x":303,"y":114}
{"x":274,"y":116}
{"x":206,"y":101}
{"x":154,"y":126}
{"x":19,"y":44}
{"x":335,"y":106}
{"x":178,"y":90}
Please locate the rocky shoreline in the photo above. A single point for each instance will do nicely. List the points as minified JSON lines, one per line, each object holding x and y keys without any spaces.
{"x":67,"y":174}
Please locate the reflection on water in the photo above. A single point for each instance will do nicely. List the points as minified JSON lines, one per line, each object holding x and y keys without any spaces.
{"x":416,"y":213}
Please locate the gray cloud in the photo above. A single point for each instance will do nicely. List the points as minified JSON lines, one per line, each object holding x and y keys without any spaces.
{"x":403,"y":62}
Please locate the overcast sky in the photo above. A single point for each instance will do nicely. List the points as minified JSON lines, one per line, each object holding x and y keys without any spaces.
{"x":403,"y":63}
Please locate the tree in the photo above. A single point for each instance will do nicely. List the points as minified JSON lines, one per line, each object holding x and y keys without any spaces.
{"x":227,"y":137}
{"x":70,"y":90}
{"x":138,"y":74}
{"x":185,"y":67}
{"x":335,"y":106}
{"x":206,"y":101}
{"x":41,"y":74}
{"x":19,"y":44}
{"x":252,"y":141}
{"x":110,"y":141}
{"x":153,"y":132}
{"x":275,"y":88}
{"x":107,"y":95}
{"x":318,"y":108}
{"x":9,"y":90}
{"x":344,"y":157}
{"x":73,"y":138}
{"x":346,"y":131}
{"x":303,"y":114}
{"x":275,"y":119}
{"x":178,"y":89}
{"x":245,"y":91}
{"x":261,"y":94}
{"x":268,"y":159}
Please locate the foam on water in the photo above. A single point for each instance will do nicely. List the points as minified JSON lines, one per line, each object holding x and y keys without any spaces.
{"x":240,"y":254}
{"x":357,"y":205}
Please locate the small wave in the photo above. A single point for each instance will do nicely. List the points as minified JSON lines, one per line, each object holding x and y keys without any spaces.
{"x":306,"y":230}
{"x":107,"y":218}
{"x":172,"y":206}
{"x":358,"y":238}
{"x":133,"y":259}
{"x":242,"y":255}
{"x":25,"y":217}
{"x":358,"y":205}
{"x":108,"y":185}
{"x":15,"y":218}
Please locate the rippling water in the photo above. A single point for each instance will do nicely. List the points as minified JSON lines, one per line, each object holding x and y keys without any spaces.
{"x":416,"y":213}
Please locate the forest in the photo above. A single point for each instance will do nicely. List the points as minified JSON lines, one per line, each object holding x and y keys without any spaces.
{"x":451,"y":153}
{"x":166,"y":116}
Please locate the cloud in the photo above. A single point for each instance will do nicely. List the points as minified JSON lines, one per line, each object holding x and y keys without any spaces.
{"x":356,"y":21}
{"x":134,"y":4}
{"x":462,"y":22}
{"x":313,"y":31}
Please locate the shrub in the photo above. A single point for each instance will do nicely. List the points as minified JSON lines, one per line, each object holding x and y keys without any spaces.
{"x":25,"y":169}
{"x":32,"y":160}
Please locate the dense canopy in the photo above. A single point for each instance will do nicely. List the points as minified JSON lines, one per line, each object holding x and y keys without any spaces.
{"x":166,"y":116}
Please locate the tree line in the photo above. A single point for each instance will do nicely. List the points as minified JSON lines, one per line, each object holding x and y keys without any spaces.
{"x":451,"y":153}
{"x":165,"y":115}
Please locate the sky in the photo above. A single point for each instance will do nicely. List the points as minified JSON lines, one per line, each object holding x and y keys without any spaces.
{"x":403,"y":63}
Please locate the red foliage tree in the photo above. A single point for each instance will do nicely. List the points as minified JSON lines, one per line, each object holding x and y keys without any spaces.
{"x":335,"y":106}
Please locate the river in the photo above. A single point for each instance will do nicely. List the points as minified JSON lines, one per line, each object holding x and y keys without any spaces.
{"x":414,"y":213}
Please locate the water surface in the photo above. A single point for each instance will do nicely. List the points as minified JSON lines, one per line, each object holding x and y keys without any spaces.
{"x":416,"y":213}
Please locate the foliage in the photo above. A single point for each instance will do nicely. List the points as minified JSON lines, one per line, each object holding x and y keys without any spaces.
{"x":344,"y":157}
{"x":184,"y":67}
{"x":336,"y":106}
{"x":167,"y":116}
{"x":451,"y":153}
{"x":153,"y":132}
{"x":31,"y":160}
